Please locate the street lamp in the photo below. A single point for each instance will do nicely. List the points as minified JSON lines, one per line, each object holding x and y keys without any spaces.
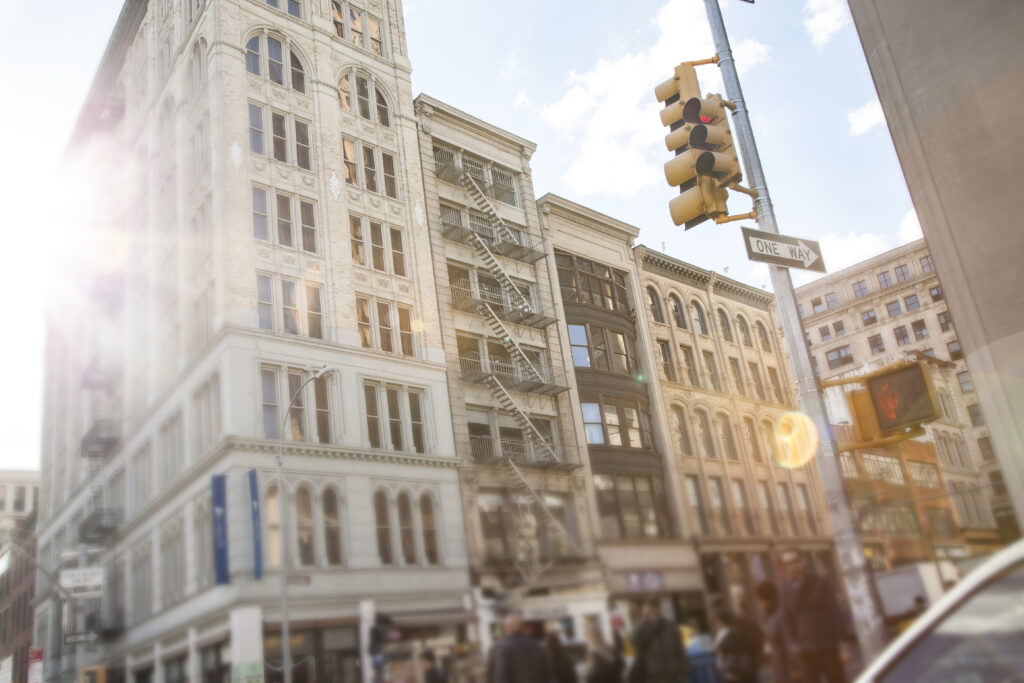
{"x":282,"y":507}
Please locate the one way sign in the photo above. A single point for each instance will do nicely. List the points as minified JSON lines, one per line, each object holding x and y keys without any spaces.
{"x":791,"y":252}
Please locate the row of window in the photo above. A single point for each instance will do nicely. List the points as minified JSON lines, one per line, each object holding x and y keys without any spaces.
{"x":838,"y":357}
{"x":599,"y":348}
{"x":494,"y":181}
{"x":373,"y":242}
{"x":715,"y":439}
{"x":919,"y":328}
{"x":725,"y":509}
{"x":708,"y":375}
{"x":385,"y":326}
{"x":701,"y":323}
{"x":894,"y":309}
{"x":885,"y":280}
{"x":616,"y":422}
{"x":585,"y":282}
{"x":502,"y":513}
{"x":293,"y":218}
{"x":298,"y":310}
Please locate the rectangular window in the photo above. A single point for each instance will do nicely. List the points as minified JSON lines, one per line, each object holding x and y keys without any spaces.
{"x":303,"y":157}
{"x":712,"y":370}
{"x":348,"y":149}
{"x":876,"y":344}
{"x":416,"y":421}
{"x":974,"y":410}
{"x":372,"y":415}
{"x":987,"y":452}
{"x":289,"y":307}
{"x":390,"y":180}
{"x":860,"y":289}
{"x":280,"y":135}
{"x":579,"y":346}
{"x":395,"y":418}
{"x":255,"y":128}
{"x":268,"y":384}
{"x":323,"y":413}
{"x":894,"y":309}
{"x":374,"y":34}
{"x":920,"y":330}
{"x":912,"y":303}
{"x":666,"y":360}
{"x":592,"y":424}
{"x":297,"y":414}
{"x":384,"y":329}
{"x":945,"y":321}
{"x":397,"y":252}
{"x":954,"y":350}
{"x":755,"y":376}
{"x":902,"y":273}
{"x":737,"y":376}
{"x":405,"y":331}
{"x":265,"y":302}
{"x":369,"y":168}
{"x":840,"y":328}
{"x":363,"y":322}
{"x":260,"y":214}
{"x":868,"y":318}
{"x":936,"y":293}
{"x":307,"y":215}
{"x":817,"y":305}
{"x":902,"y":336}
{"x":965,"y":381}
{"x":377,"y":246}
{"x":831,"y":300}
{"x":825,"y":332}
{"x":885,"y":280}
{"x":355,"y":226}
{"x":803,"y":500}
{"x":314,"y":312}
{"x":839,"y":357}
{"x":284,"y":220}
{"x":926,"y":264}
{"x":773,"y":376}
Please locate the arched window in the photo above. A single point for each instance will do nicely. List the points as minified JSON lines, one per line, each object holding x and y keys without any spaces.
{"x":383,"y":516}
{"x":273,"y":540}
{"x":655,"y":304}
{"x":429,"y":529}
{"x":744,"y":329}
{"x":265,"y":56}
{"x":407,"y":532}
{"x":198,"y":65}
{"x":728,"y":439}
{"x":683,"y":430}
{"x":723,"y":322}
{"x":762,"y":334}
{"x":707,"y":437}
{"x":332,"y":527}
{"x":678,"y":314}
{"x":304,"y":527}
{"x":698,"y":317}
{"x":359,"y":93}
{"x":751,"y":433}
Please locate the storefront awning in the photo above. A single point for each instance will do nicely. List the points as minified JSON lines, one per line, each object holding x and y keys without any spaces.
{"x":431,"y":618}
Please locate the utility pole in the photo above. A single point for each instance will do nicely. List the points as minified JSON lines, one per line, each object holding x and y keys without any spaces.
{"x":867,"y":617}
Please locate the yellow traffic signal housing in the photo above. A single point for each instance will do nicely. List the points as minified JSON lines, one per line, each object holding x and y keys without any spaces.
{"x":893,"y":399}
{"x":705,"y":156}
{"x":94,"y":674}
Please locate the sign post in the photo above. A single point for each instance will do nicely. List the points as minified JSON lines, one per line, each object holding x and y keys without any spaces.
{"x":35,"y":665}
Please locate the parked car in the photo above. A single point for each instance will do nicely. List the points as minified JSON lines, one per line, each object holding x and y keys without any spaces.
{"x":973,"y":634}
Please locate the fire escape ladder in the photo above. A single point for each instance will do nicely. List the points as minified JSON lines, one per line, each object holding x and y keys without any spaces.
{"x":526,"y":366}
{"x":485,"y":206}
{"x":541,"y":446}
{"x":515,"y":297}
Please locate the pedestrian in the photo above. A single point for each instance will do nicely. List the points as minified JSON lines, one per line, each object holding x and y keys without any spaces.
{"x":428,"y":665}
{"x":604,"y":665}
{"x":814,"y":622}
{"x":517,"y":658}
{"x":659,"y":649}
{"x":735,"y":656}
{"x":782,"y":666}
{"x":562,"y":668}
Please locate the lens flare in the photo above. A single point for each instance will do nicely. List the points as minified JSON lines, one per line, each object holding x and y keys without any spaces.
{"x":796,"y":440}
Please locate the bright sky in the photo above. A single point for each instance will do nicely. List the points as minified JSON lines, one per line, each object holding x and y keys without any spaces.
{"x":575,"y":77}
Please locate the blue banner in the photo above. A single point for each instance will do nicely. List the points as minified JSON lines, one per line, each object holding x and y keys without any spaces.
{"x":221,"y":570}
{"x":257,"y":535}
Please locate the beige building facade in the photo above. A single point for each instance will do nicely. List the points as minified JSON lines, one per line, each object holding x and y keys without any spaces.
{"x":890,"y":308}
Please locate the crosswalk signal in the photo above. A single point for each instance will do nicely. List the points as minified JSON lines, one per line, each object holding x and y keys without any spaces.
{"x":893,"y":400}
{"x":700,"y":136}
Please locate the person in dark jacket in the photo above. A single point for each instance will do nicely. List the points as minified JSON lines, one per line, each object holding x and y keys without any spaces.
{"x":431,"y":674}
{"x":605,"y":664}
{"x":814,"y":623}
{"x":660,"y":657}
{"x":735,"y":655}
{"x":517,"y":658}
{"x":783,"y":669}
{"x":562,"y":667}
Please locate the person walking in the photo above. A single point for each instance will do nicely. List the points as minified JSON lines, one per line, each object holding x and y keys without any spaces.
{"x":562,"y":668}
{"x":660,"y":657}
{"x":428,"y":665}
{"x":605,"y":665}
{"x":517,"y":658}
{"x":783,"y":669}
{"x":735,"y":656}
{"x":814,"y":622}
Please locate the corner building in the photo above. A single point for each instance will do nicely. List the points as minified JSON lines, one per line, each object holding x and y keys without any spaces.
{"x":272,"y":222}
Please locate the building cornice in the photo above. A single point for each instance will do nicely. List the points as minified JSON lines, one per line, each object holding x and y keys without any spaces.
{"x":689,"y":274}
{"x":862,"y":267}
{"x":586,"y":217}
{"x":431,"y":107}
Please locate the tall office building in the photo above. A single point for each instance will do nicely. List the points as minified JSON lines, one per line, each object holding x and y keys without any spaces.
{"x":889,"y":308}
{"x":267,"y":160}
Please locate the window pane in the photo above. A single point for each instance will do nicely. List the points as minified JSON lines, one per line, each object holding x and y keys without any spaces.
{"x":252,"y":56}
{"x":395,"y":419}
{"x":355,"y":224}
{"x":363,"y":96}
{"x":268,"y":384}
{"x":429,"y":529}
{"x":332,"y":527}
{"x":308,"y":216}
{"x":384,"y":329}
{"x":372,"y":415}
{"x":377,"y":246}
{"x":390,"y":183}
{"x":289,"y":307}
{"x":298,"y":75}
{"x":363,"y":322}
{"x":255,"y":129}
{"x":369,"y":168}
{"x":314,"y":313}
{"x":284,"y":220}
{"x":383,"y":518}
{"x":264,"y":302}
{"x":416,"y":421}
{"x":397,"y":252}
{"x":260,"y":219}
{"x":323,"y":414}
{"x":405,"y":331}
{"x":275,"y":61}
{"x":302,"y":153}
{"x":280,"y":137}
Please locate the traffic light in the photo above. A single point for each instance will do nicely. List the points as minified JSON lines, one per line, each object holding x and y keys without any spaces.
{"x":893,"y":400}
{"x":706,"y":159}
{"x":94,"y":674}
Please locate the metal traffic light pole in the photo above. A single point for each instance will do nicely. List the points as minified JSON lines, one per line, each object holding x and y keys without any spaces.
{"x":867,"y":617}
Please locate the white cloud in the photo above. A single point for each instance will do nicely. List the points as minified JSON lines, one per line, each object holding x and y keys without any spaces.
{"x":611,"y":112}
{"x":825,"y":18}
{"x":865,"y":118}
{"x":748,"y":53}
{"x":512,"y":67}
{"x":910,"y":228}
{"x":840,"y":251}
{"x":523,"y":100}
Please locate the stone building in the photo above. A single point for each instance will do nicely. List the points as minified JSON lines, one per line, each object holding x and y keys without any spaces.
{"x":265,"y":162}
{"x":19,"y":496}
{"x":723,"y":383}
{"x":890,"y":308}
{"x":17,"y":589}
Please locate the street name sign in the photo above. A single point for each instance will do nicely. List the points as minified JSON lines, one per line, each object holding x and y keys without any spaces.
{"x":81,"y":638}
{"x":84,"y":583}
{"x":791,"y":252}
